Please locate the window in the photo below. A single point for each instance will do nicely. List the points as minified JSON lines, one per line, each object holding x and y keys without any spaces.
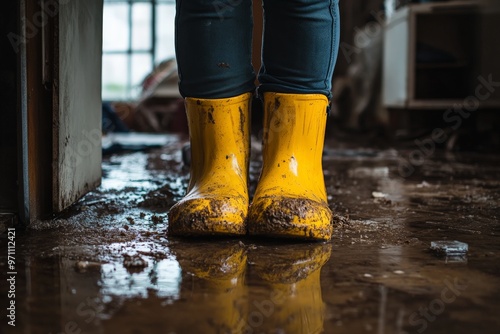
{"x":137,"y":34}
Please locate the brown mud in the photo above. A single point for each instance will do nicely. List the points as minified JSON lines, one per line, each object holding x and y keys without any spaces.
{"x":108,"y":266}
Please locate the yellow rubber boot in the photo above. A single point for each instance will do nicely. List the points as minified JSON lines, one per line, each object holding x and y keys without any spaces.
{"x":213,"y":294}
{"x":290,"y":199}
{"x":217,"y":198}
{"x":292,"y":302}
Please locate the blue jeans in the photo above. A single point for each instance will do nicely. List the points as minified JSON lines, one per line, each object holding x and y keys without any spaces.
{"x":214,"y":42}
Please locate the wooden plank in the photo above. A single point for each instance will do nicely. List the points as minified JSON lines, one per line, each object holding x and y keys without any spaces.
{"x":37,"y":122}
{"x":446,"y":104}
{"x":447,"y":7}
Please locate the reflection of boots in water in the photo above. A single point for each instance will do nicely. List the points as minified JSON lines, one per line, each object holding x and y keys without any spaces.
{"x":293,"y":304}
{"x":212,"y":293}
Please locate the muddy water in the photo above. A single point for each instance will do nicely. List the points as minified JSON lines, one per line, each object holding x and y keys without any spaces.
{"x":107,"y":266}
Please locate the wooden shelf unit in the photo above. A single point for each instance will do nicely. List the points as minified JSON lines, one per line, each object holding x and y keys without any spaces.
{"x":447,"y":31}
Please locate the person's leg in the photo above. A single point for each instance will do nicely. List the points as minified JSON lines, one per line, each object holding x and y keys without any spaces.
{"x":301,"y":40}
{"x":213,"y":45}
{"x":299,"y":54}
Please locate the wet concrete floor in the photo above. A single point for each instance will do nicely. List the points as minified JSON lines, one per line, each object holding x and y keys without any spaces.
{"x":107,"y":265}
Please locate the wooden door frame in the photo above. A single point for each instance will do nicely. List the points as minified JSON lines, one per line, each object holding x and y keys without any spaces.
{"x":35,"y":114}
{"x":41,"y":118}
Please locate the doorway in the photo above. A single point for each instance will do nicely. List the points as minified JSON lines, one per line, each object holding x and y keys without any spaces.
{"x":51,"y":89}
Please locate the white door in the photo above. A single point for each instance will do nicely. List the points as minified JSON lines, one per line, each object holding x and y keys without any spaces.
{"x":77,"y":134}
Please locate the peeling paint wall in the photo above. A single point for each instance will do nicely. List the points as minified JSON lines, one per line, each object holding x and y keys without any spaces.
{"x":78,"y":132}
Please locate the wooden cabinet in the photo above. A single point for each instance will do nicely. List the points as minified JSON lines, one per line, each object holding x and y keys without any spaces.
{"x":435,"y":57}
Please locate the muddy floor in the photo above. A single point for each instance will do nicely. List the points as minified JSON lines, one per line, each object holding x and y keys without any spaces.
{"x":107,"y":266}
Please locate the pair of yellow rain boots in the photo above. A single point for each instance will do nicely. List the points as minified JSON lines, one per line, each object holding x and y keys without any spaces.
{"x":290,"y":200}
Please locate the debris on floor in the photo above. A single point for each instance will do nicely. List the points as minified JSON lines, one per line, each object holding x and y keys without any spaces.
{"x":107,"y":265}
{"x":449,"y":248}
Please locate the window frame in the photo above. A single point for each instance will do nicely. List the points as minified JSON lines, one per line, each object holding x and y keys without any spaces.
{"x":130,"y":51}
